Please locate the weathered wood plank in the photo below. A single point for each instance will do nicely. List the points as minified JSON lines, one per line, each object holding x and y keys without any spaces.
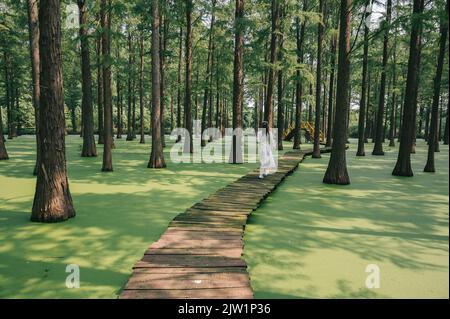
{"x":183,"y":261}
{"x":218,"y":251}
{"x":188,"y":281}
{"x":222,"y":293}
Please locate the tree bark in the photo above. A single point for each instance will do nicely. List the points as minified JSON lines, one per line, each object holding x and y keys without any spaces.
{"x":89,"y":148}
{"x":141,"y":88}
{"x":268,"y":111}
{"x":320,"y":31}
{"x":378,"y":146}
{"x":130,"y":87}
{"x":33,"y":31}
{"x":188,"y":145}
{"x":52,"y":199}
{"x":119,"y":100}
{"x":156,"y":155}
{"x":337,"y":167}
{"x":403,"y":165}
{"x":106,"y":53}
{"x":163,"y":43}
{"x":238,"y":83}
{"x":100,"y":91}
{"x":208,"y":74}
{"x":3,"y":152}
{"x":179,"y":79}
{"x":281,"y":111}
{"x":362,"y":104}
{"x":434,"y":138}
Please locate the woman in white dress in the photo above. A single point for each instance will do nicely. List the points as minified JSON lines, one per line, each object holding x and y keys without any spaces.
{"x":266,"y":157}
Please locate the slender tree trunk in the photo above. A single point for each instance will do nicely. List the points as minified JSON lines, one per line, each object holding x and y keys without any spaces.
{"x":180,"y":59}
{"x":141,"y":89}
{"x":156,"y":156}
{"x":434,"y":138}
{"x":208,"y":74}
{"x":378,"y":147}
{"x":89,"y":148}
{"x":106,"y":52}
{"x":316,"y":148}
{"x":119,"y":100}
{"x":188,"y":145}
{"x":362,"y":104}
{"x":171,"y":113}
{"x":427,"y":124}
{"x":403,"y":165}
{"x":3,"y":152}
{"x":394,"y":97}
{"x":337,"y":167}
{"x":268,"y":111}
{"x":446,"y":130}
{"x":33,"y":31}
{"x":52,"y":199}
{"x":238,"y":83}
{"x":331,"y":93}
{"x":163,"y":44}
{"x":100,"y":91}
{"x":280,"y":112}
{"x":130,"y":87}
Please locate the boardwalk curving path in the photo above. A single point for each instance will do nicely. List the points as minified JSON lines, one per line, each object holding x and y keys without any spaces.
{"x":199,"y":255}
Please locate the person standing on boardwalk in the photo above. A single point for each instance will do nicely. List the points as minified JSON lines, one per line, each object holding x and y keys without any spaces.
{"x":266,"y":157}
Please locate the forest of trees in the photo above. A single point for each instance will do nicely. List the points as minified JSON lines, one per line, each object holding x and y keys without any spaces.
{"x":109,"y":68}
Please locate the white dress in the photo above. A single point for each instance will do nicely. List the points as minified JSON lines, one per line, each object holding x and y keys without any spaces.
{"x":266,"y":157}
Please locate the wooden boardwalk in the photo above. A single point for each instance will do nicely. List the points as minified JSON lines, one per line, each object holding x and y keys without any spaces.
{"x":199,"y":255}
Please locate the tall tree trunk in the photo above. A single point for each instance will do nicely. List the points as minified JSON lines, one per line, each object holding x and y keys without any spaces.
{"x":280,"y":112}
{"x":106,"y":52}
{"x":403,"y":165}
{"x":268,"y":111}
{"x":33,"y":31}
{"x":188,"y":145}
{"x":434,"y":138}
{"x":89,"y":149}
{"x":208,"y":74}
{"x":171,"y":113}
{"x":331,"y":93}
{"x":100,"y":91}
{"x":378,"y":146}
{"x":119,"y":100}
{"x":238,"y":83}
{"x":446,"y":129}
{"x":141,"y":88}
{"x":394,"y":97}
{"x":130,"y":87}
{"x":163,"y":47}
{"x":52,"y":199}
{"x":316,"y":148}
{"x":368,"y":111}
{"x":337,"y":167}
{"x":179,"y":79}
{"x":362,"y":104}
{"x":3,"y":152}
{"x":156,"y":156}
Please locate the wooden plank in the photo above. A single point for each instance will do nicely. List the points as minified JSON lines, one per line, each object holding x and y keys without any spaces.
{"x":198,"y":270}
{"x":189,"y":223}
{"x":226,"y":252}
{"x":188,"y":281}
{"x":198,"y":236}
{"x":199,"y":243}
{"x":221,"y":293}
{"x":195,"y":228}
{"x":186,"y":261}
